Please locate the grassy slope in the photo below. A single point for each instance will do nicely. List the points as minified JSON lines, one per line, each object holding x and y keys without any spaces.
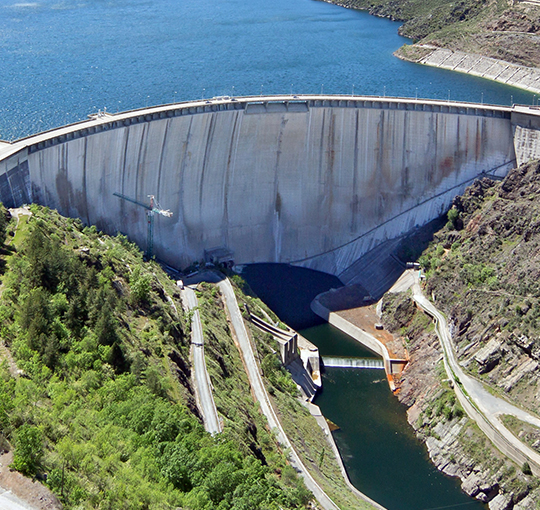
{"x":105,"y":406}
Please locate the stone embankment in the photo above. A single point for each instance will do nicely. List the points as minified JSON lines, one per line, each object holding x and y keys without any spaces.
{"x":527,"y":78}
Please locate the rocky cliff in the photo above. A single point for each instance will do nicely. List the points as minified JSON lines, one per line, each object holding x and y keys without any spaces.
{"x":496,"y":29}
{"x":482,"y":270}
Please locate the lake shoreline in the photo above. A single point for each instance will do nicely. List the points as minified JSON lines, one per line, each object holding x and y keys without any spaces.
{"x":497,"y":70}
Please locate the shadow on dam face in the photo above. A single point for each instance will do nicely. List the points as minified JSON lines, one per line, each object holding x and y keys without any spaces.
{"x":315,"y":181}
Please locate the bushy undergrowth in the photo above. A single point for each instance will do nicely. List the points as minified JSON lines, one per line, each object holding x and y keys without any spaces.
{"x":104,"y":403}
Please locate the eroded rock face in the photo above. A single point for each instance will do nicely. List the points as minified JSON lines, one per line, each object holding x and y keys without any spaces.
{"x":501,"y":502}
{"x":475,"y":486}
{"x":485,"y":275}
{"x":488,"y":356}
{"x":488,"y":282}
{"x":514,"y":22}
{"x":527,"y":503}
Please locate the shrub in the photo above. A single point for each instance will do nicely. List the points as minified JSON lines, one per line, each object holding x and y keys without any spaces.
{"x":28,"y":450}
{"x":140,"y":287}
{"x":4,"y":219}
{"x":453,"y":218}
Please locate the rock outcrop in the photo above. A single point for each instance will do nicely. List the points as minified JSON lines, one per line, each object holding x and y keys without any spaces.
{"x":483,"y":270}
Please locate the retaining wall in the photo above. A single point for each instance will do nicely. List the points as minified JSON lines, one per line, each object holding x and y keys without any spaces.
{"x":523,"y":77}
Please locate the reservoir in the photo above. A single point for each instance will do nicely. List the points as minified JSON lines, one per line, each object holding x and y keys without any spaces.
{"x":382,"y":456}
{"x":63,"y":60}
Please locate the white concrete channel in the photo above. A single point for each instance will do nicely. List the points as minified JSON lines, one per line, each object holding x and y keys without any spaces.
{"x":203,"y":385}
{"x":362,"y":363}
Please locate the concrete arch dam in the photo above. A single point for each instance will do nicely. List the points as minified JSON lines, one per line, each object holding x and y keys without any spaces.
{"x":311,"y":180}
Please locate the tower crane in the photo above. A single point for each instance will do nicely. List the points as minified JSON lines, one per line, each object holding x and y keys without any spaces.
{"x":151,"y":210}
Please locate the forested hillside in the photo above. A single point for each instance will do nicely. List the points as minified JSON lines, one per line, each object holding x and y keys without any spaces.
{"x":95,"y":383}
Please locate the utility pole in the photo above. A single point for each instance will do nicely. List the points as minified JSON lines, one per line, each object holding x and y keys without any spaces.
{"x":151,"y":210}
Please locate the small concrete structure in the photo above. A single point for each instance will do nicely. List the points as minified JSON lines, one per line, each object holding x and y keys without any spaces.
{"x":287,"y":340}
{"x":305,"y":369}
{"x":309,"y":353}
{"x":219,"y":256}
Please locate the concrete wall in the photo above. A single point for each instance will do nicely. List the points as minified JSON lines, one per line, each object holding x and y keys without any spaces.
{"x":527,"y":78}
{"x":311,"y":180}
{"x":526,"y":133}
{"x":359,"y":335}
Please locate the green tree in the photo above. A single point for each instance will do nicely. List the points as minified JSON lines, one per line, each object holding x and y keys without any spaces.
{"x":140,"y":287}
{"x":35,"y":318}
{"x":4,"y":219}
{"x":28,"y":449}
{"x":454,"y":220}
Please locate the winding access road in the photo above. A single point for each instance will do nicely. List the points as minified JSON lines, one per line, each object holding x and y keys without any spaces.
{"x":259,"y":391}
{"x":203,"y":390}
{"x":483,"y":407}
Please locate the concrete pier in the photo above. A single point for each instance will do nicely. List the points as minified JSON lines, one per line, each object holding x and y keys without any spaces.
{"x":315,"y":181}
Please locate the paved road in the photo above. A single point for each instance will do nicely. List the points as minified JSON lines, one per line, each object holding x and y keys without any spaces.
{"x":259,"y":391}
{"x":202,"y":381}
{"x":490,"y":406}
{"x":8,"y":501}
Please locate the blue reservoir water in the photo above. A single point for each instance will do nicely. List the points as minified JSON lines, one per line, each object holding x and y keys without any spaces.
{"x":61,"y":60}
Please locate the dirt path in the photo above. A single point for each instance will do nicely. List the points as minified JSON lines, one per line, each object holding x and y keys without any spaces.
{"x":28,"y":494}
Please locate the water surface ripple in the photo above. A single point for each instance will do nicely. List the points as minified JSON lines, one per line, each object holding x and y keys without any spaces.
{"x":63,"y":60}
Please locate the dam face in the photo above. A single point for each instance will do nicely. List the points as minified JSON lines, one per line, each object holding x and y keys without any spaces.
{"x":315,"y":181}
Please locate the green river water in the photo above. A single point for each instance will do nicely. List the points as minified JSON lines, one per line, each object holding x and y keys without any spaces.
{"x":383,"y":457}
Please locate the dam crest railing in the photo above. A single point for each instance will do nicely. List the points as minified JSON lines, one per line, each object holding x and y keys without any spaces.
{"x":299,"y":103}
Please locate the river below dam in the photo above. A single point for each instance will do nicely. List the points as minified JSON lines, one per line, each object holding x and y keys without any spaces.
{"x":383,"y":457}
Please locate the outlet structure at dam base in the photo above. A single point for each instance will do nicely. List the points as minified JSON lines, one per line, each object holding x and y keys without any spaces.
{"x":315,"y":181}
